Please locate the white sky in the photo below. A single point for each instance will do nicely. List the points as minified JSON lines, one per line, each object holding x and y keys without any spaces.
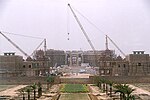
{"x":127,"y":22}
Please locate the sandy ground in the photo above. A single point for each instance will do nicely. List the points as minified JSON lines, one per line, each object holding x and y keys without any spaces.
{"x":55,"y":88}
{"x":76,"y":75}
{"x":96,"y":91}
{"x":143,"y":94}
{"x":48,"y":95}
{"x":12,"y":91}
{"x":139,"y":90}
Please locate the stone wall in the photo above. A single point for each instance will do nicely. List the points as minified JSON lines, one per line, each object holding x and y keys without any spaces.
{"x":25,"y":80}
{"x":90,"y":80}
{"x":75,"y":80}
{"x":124,"y":79}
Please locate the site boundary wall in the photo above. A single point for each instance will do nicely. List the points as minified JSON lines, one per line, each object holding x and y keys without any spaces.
{"x":124,"y":79}
{"x":25,"y":80}
{"x":90,"y":80}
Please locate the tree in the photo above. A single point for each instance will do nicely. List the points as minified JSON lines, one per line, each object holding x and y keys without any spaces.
{"x":129,"y":91}
{"x":28,"y":90}
{"x":120,"y":89}
{"x":106,"y":88}
{"x":39,"y":89}
{"x":110,"y":83}
{"x":22,"y":91}
{"x":125,"y":91}
{"x":98,"y":82}
{"x":103,"y":81}
{"x":49,"y":80}
{"x":34,"y":87}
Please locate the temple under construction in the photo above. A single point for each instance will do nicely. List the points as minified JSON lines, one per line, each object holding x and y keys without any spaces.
{"x":136,"y":64}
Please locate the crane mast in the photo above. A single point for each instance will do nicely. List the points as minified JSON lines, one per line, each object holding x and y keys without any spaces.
{"x":45,"y":47}
{"x":106,"y":43}
{"x":44,"y":41}
{"x":15,"y":45}
{"x":84,"y":32}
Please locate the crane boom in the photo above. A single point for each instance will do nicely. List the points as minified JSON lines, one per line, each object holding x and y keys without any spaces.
{"x":15,"y":45}
{"x":37,"y":48}
{"x":84,"y":32}
{"x":116,"y":45}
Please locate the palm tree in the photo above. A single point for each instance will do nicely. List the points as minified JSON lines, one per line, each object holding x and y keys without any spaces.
{"x":129,"y":91}
{"x":49,"y":80}
{"x":22,"y":91}
{"x":125,"y":91}
{"x":110,"y":83}
{"x":34,"y":86}
{"x":100,"y":84}
{"x":106,"y":86}
{"x":28,"y":90}
{"x":103,"y":81}
{"x":120,"y":89}
{"x":39,"y":89}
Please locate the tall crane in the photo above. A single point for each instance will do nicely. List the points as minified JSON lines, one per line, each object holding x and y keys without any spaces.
{"x":107,"y":37}
{"x":15,"y":45}
{"x":84,"y":32}
{"x":114,"y":45}
{"x":44,"y":41}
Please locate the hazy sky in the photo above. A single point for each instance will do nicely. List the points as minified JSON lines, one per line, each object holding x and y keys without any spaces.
{"x":127,"y":22}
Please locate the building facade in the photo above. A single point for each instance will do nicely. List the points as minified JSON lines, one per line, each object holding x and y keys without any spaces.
{"x":136,"y":64}
{"x":10,"y":65}
{"x":139,"y":63}
{"x":112,"y":65}
{"x":73,"y":58}
{"x":56,"y":57}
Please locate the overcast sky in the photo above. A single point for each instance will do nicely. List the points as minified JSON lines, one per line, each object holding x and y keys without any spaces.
{"x":127,"y":22}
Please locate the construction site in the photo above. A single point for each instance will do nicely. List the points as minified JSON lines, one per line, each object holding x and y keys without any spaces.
{"x":42,"y":61}
{"x":73,"y":67}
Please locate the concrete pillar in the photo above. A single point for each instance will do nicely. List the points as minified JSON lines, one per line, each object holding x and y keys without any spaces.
{"x":82,"y":60}
{"x":77,"y":59}
{"x":66,"y":59}
{"x":70,"y":59}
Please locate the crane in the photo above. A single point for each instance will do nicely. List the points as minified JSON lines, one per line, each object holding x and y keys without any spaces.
{"x":107,"y":37}
{"x":84,"y":32}
{"x":15,"y":45}
{"x":44,"y":41}
{"x":114,"y":45}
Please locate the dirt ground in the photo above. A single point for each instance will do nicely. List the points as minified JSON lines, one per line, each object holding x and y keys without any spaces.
{"x":76,"y":75}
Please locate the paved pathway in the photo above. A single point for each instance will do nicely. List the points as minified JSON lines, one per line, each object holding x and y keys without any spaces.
{"x":139,"y":90}
{"x":143,"y":94}
{"x":11,"y":91}
{"x":101,"y":96}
